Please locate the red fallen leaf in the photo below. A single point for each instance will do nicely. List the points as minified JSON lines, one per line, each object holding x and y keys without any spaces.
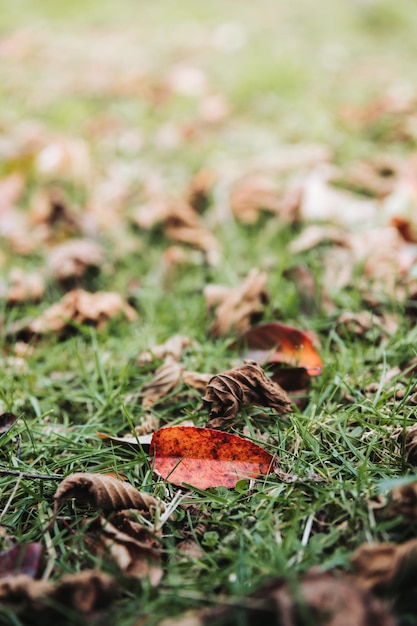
{"x":274,"y":342}
{"x":204,"y":457}
{"x":21,"y":560}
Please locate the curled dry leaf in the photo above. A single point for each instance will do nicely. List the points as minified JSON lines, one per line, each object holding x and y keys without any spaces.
{"x":243,"y":386}
{"x":173,"y":347}
{"x":386,"y":566}
{"x":238,"y":306}
{"x":165,"y":379}
{"x":132,"y":546}
{"x":204,"y":457}
{"x":274,"y":342}
{"x":73,"y":258}
{"x":103,"y":492}
{"x":21,"y":559}
{"x":85,"y":592}
{"x":80,"y":307}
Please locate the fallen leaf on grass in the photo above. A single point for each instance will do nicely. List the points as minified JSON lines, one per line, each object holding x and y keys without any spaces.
{"x":38,"y":602}
{"x":274,"y":342}
{"x":409,"y":440}
{"x":197,"y":380}
{"x":237,"y":307}
{"x":103,"y":492}
{"x":172,"y":347}
{"x":21,"y":559}
{"x":319,"y":598}
{"x":386,"y":566}
{"x":246,"y":385}
{"x":78,"y":306}
{"x":255,"y":193}
{"x":295,"y":381}
{"x":403,"y":499}
{"x":22,"y":287}
{"x":133,"y":547}
{"x":165,"y":379}
{"x":7,"y":420}
{"x":203,"y":457}
{"x":72,"y":259}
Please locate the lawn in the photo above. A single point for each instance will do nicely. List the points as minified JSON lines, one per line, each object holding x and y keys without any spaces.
{"x":177,"y":147}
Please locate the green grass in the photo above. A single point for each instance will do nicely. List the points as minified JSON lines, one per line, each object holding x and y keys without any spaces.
{"x":299,"y":65}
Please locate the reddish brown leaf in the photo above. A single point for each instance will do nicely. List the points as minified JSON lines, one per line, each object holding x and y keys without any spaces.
{"x":21,"y":560}
{"x":204,"y":457}
{"x":274,"y":342}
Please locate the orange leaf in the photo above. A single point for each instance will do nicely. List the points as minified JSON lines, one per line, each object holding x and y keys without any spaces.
{"x":204,"y":457}
{"x":274,"y":342}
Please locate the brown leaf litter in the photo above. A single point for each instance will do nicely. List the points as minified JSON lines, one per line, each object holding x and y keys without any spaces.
{"x":407,"y":438}
{"x":238,"y":307}
{"x":85,"y":593}
{"x":79,"y":306}
{"x":319,"y":598}
{"x":242,"y":386}
{"x":172,"y":347}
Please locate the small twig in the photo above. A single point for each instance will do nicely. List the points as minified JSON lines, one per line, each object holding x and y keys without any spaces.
{"x":8,"y":472}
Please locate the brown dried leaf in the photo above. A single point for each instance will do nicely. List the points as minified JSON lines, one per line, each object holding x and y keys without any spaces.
{"x":314,"y":235}
{"x":84,"y":592}
{"x":103,"y":492}
{"x":73,"y":258}
{"x":240,"y":305}
{"x":252,"y":194}
{"x":197,"y":380}
{"x":404,"y":498}
{"x":79,"y":306}
{"x":21,"y":559}
{"x":173,"y":347}
{"x":386,"y":566}
{"x":165,"y":379}
{"x":132,"y":546}
{"x":243,"y":386}
{"x":22,"y":287}
{"x":319,"y":598}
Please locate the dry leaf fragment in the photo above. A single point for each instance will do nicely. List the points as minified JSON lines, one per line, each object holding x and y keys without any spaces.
{"x":21,"y":559}
{"x":128,"y":440}
{"x":197,"y":380}
{"x":7,"y":420}
{"x":165,"y":379}
{"x":173,"y":347}
{"x":386,"y":566}
{"x":103,"y":492}
{"x":251,"y":195}
{"x":243,"y":386}
{"x":239,"y":305}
